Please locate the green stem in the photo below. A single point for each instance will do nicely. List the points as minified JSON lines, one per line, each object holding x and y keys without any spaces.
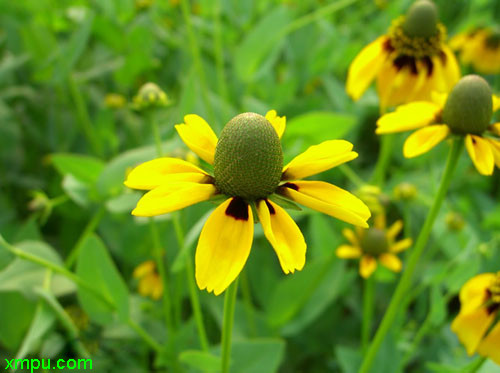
{"x":405,"y":281}
{"x":144,"y":335}
{"x":368,"y":304}
{"x":156,"y":134}
{"x":247,"y":298}
{"x":89,"y":229}
{"x":351,"y":175}
{"x":227,"y":325}
{"x":386,"y":147}
{"x":193,"y":291}
{"x":219,"y":52}
{"x":476,"y":365}
{"x":83,"y":116}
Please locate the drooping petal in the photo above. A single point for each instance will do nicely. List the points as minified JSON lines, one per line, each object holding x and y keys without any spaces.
{"x":391,"y":261}
{"x":401,"y":245}
{"x":348,"y":252}
{"x":495,"y":148}
{"x":350,"y":236}
{"x":495,"y":128}
{"x":393,"y":83}
{"x":394,"y":230}
{"x":328,"y":199}
{"x":156,"y":172}
{"x":470,"y":327}
{"x":319,"y":158}
{"x":284,"y":236}
{"x":490,"y":345}
{"x":365,"y":67}
{"x":224,"y":245}
{"x":172,"y":197}
{"x":481,"y":154}
{"x":379,"y":220}
{"x":408,"y":117}
{"x":451,"y":69}
{"x":198,"y":136}
{"x":367,"y":265}
{"x":475,"y":292}
{"x":424,"y":139}
{"x":279,"y":123}
{"x":496,"y":103}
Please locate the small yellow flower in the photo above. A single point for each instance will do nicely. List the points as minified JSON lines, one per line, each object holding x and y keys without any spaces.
{"x":374,"y":244}
{"x":114,"y":101}
{"x":410,"y":62}
{"x":477,"y":325}
{"x":150,"y":284}
{"x":248,"y":173}
{"x":479,"y":48}
{"x":466,"y":111}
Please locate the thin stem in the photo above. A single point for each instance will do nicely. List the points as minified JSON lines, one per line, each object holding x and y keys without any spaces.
{"x":476,"y":364}
{"x":405,"y":281}
{"x":368,"y":304}
{"x":219,"y":52}
{"x":193,"y":291}
{"x":384,"y":158}
{"x":247,"y":299}
{"x":351,"y":175}
{"x":227,"y":325}
{"x":89,"y":229}
{"x":144,"y":335}
{"x":156,"y":134}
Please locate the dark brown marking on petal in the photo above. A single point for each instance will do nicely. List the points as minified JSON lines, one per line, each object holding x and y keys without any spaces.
{"x":291,"y":186}
{"x":443,"y":57}
{"x":428,"y":63}
{"x":473,"y":140}
{"x":272,"y":211}
{"x":387,"y":46}
{"x":493,"y":308}
{"x":238,"y":209}
{"x":401,"y":61}
{"x":438,"y":118}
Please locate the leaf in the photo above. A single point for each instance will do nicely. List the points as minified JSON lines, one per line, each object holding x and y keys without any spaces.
{"x":123,"y":203}
{"x":200,"y":360}
{"x":16,"y":314}
{"x":83,"y":167}
{"x":76,"y":190}
{"x":438,"y":309}
{"x":263,"y":40}
{"x":262,"y":355}
{"x":96,"y":267}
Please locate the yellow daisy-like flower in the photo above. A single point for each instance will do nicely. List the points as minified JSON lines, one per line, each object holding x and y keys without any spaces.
{"x":374,"y":244}
{"x":248,"y":173}
{"x":479,"y":48}
{"x":409,"y":63}
{"x":150,"y":284}
{"x":467,"y":112}
{"x":477,"y":325}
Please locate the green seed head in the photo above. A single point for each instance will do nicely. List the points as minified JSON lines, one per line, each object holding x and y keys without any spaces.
{"x":374,"y":242}
{"x":248,"y":158}
{"x":421,"y":19}
{"x":469,"y":106}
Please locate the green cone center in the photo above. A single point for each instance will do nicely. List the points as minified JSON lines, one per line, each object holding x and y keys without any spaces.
{"x":469,"y":106}
{"x":248,"y":158}
{"x":421,"y":19}
{"x":374,"y":242}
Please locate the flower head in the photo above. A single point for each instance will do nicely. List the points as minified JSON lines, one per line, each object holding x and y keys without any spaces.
{"x":150,"y":96}
{"x":477,"y":325}
{"x":376,"y":243}
{"x":114,"y":101}
{"x":480,"y":48}
{"x":410,"y":62}
{"x":466,"y":111}
{"x":150,"y":284}
{"x":249,"y":175}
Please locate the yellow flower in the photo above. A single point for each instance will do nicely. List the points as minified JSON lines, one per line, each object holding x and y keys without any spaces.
{"x":375,"y":243}
{"x":114,"y":101}
{"x":249,"y":176}
{"x":479,"y":48}
{"x":477,"y":326}
{"x":410,"y":62}
{"x":150,"y":284}
{"x":467,"y":112}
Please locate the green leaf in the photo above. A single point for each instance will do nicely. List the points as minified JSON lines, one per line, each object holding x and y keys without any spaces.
{"x":83,"y":167}
{"x":263,"y":40}
{"x":16,"y":314}
{"x":96,"y":267}
{"x":200,"y":360}
{"x":78,"y":191}
{"x":262,"y":355}
{"x":123,"y":203}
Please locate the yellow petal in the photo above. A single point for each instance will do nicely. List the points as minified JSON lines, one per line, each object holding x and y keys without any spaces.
{"x":144,"y":269}
{"x":424,"y":139}
{"x":379,"y":221}
{"x":495,"y":128}
{"x":458,"y":41}
{"x":279,"y":123}
{"x":490,"y":346}
{"x":408,"y":117}
{"x":367,"y":265}
{"x":394,"y":229}
{"x":284,"y":236}
{"x":451,"y":69}
{"x":495,"y":148}
{"x":470,"y":327}
{"x":348,"y":252}
{"x":475,"y":292}
{"x":156,"y":172}
{"x":157,"y":290}
{"x":172,"y":197}
{"x":328,"y":199}
{"x":198,"y":136}
{"x":350,"y":236}
{"x":319,"y":158}
{"x":391,"y":261}
{"x":224,"y":245}
{"x":496,"y":103}
{"x":401,"y":245}
{"x":481,"y":154}
{"x":365,"y":67}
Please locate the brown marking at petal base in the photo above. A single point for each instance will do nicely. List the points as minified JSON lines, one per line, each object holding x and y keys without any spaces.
{"x":403,"y":60}
{"x":493,"y":308}
{"x":291,"y":186}
{"x":438,"y":117}
{"x":272,"y":211}
{"x":428,"y":63}
{"x":238,"y":209}
{"x":387,"y":46}
{"x":443,"y":57}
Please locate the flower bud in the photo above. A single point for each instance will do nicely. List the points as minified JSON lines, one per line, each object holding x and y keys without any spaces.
{"x":150,"y":96}
{"x":405,"y":191}
{"x":374,"y":241}
{"x":454,"y":221}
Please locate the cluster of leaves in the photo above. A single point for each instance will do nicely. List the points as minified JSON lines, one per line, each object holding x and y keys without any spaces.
{"x":65,"y":153}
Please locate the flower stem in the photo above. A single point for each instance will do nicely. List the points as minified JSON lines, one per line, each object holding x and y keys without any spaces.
{"x":405,"y":281}
{"x":193,"y":291}
{"x":351,"y":175}
{"x":156,"y":134}
{"x":476,"y":364}
{"x":368,"y":304}
{"x":227,"y":325}
{"x":247,"y":298}
{"x":383,"y":160}
{"x":219,"y":51}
